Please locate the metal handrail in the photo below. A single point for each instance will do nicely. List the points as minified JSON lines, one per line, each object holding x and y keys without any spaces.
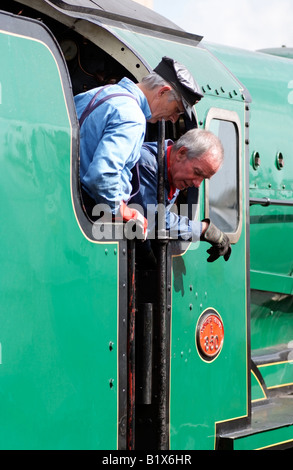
{"x":266,"y":201}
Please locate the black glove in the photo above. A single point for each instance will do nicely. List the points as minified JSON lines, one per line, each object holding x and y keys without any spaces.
{"x":219,"y":241}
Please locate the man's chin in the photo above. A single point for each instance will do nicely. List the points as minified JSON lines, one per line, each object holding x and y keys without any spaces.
{"x":154,"y":120}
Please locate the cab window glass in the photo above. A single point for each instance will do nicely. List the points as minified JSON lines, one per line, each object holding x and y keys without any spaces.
{"x":224,"y":185}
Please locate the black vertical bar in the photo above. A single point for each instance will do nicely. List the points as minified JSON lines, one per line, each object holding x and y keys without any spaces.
{"x":131,"y":347}
{"x":162,"y":278}
{"x":146,"y":363}
{"x":162,"y":379}
{"x":161,"y":163}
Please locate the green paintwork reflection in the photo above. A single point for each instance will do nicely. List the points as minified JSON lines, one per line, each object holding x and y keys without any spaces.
{"x":272,"y":331}
{"x":271,"y":316}
{"x":56,"y":319}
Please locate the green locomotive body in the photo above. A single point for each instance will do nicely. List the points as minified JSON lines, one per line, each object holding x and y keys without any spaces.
{"x":211,"y":363}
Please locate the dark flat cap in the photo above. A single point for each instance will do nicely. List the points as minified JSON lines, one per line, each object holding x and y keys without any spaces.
{"x":181,"y":80}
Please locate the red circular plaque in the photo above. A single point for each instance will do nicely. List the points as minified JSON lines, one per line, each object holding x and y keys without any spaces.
{"x":209,"y":334}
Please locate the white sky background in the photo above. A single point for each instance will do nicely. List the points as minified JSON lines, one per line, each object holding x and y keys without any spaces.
{"x":249,"y":24}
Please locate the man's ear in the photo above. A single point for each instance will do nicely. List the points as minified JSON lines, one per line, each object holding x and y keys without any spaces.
{"x":164,"y":89}
{"x":181,"y":153}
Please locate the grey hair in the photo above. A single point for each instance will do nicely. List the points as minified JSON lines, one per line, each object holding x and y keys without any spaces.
{"x":200,"y":141}
{"x":153,"y":80}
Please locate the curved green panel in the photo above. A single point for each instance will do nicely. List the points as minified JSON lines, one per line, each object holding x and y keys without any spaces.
{"x":57,"y":372}
{"x":199,"y":61}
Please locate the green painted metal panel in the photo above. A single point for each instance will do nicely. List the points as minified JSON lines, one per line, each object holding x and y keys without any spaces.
{"x":198,"y":60}
{"x":277,"y":375}
{"x":203,"y":393}
{"x":271,"y":282}
{"x":271,"y":320}
{"x":265,"y":440}
{"x":59,"y":296}
{"x":271,"y":230}
{"x":271,"y":333}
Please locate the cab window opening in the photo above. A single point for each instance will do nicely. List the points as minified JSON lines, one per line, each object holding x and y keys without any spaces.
{"x":89,"y":67}
{"x":223,"y":190}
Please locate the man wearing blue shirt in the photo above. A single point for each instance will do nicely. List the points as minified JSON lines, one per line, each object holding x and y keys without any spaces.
{"x":113,"y":123}
{"x":196,"y":156}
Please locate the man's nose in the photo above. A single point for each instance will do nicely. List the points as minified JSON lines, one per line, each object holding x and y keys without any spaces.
{"x":197,"y":182}
{"x":174,"y":118}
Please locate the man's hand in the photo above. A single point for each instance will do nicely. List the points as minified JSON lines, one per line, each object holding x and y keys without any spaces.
{"x":219,"y":241}
{"x":132,"y":214}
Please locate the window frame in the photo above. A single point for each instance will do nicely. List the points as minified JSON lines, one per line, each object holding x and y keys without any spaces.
{"x":230,"y":116}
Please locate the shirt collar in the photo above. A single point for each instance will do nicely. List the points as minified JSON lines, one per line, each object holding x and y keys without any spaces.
{"x":140,"y":96}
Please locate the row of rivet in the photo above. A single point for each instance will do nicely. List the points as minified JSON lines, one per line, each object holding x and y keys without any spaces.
{"x":231,"y":94}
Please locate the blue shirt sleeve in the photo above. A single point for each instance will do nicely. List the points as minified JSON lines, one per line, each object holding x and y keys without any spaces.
{"x":108,"y":176}
{"x":111,"y":137}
